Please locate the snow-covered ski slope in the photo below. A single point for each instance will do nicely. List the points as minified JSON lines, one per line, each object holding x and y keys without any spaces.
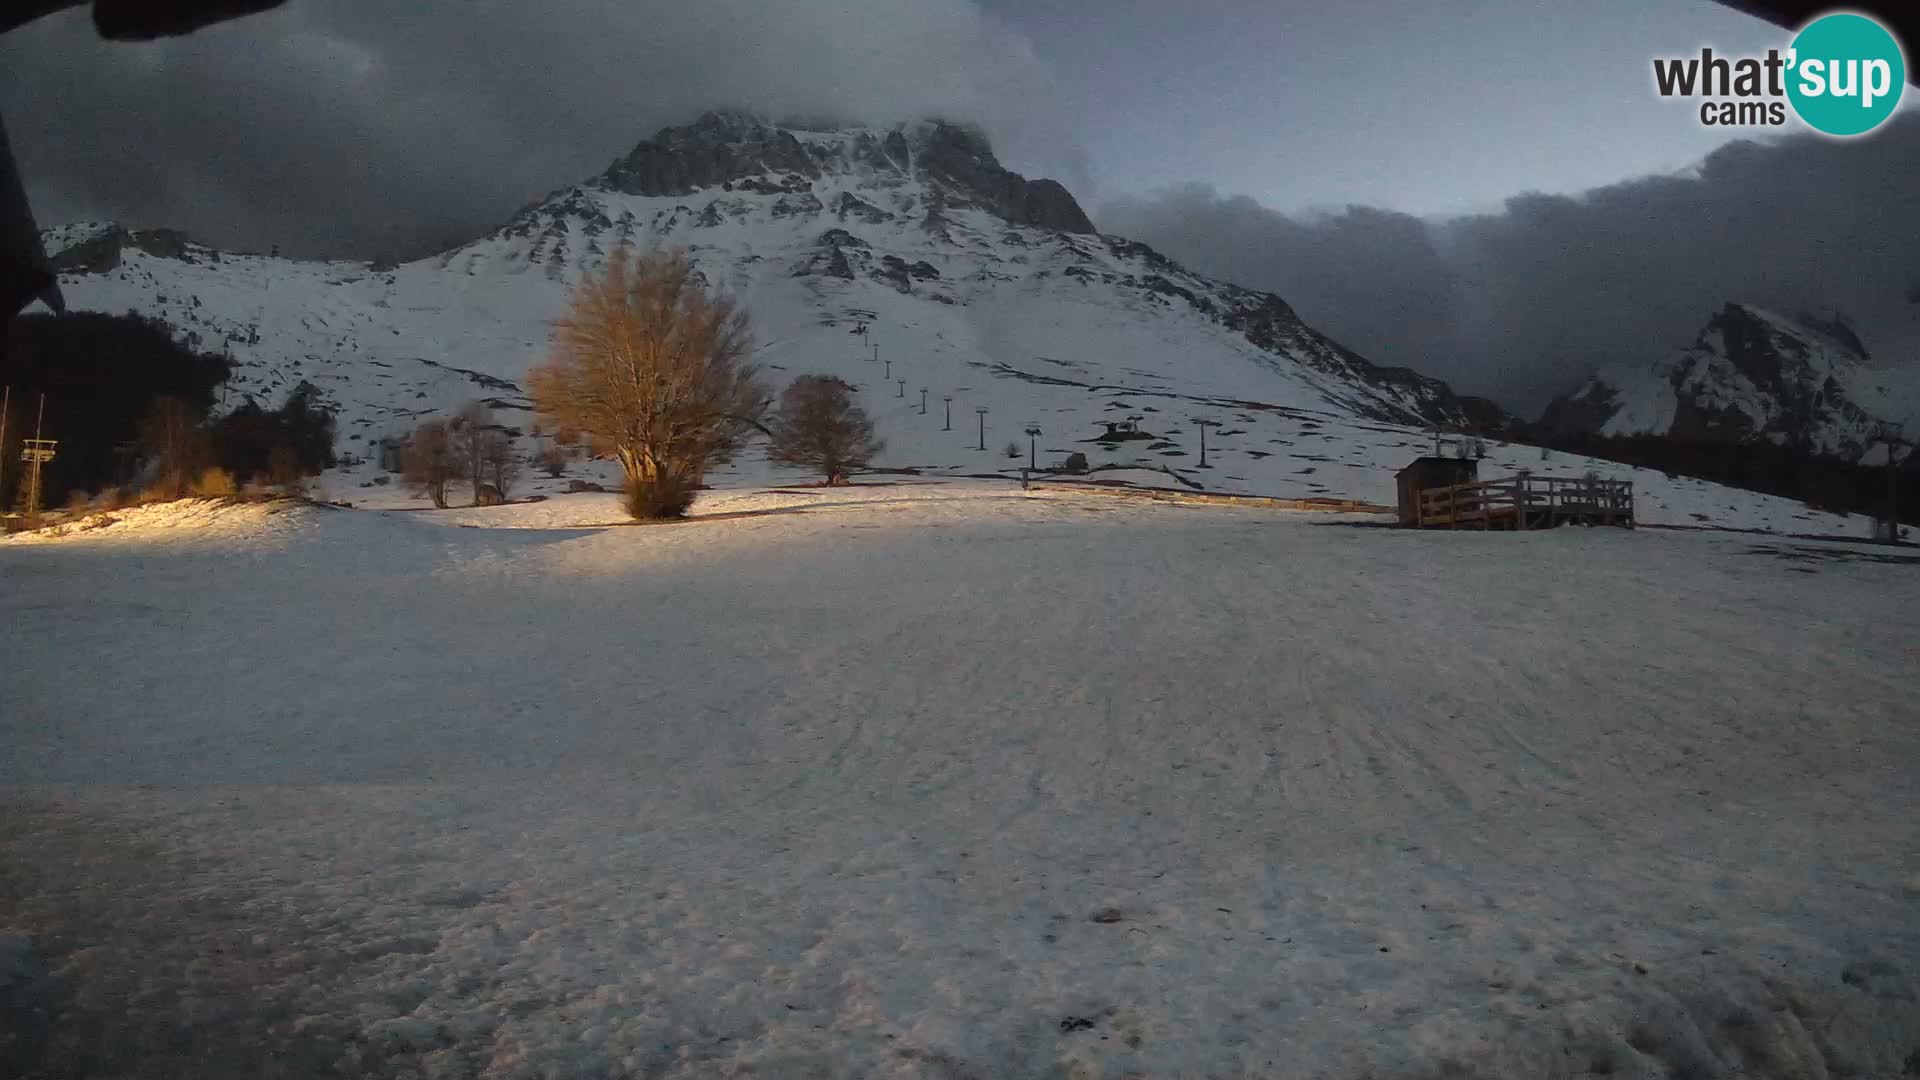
{"x":1040,"y":326}
{"x":942,"y":781}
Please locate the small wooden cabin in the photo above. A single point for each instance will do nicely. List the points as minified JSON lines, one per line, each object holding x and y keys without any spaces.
{"x":1431,"y":472}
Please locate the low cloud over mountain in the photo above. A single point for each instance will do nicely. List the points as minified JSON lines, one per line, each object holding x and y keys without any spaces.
{"x":367,"y":128}
{"x":1523,"y":304}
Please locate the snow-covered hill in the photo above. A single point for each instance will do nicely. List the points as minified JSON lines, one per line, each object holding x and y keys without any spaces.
{"x":907,"y":261}
{"x":1752,"y":375}
{"x":972,"y":281}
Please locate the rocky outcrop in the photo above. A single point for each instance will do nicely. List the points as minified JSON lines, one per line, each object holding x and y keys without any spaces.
{"x":97,"y":254}
{"x":1486,"y":417}
{"x":853,"y":205}
{"x":103,"y":251}
{"x":738,"y":151}
{"x":719,"y":148}
{"x":1584,"y":411}
{"x":1403,"y":395}
{"x":960,"y":155}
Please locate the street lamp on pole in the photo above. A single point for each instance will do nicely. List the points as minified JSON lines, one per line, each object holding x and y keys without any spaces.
{"x":982,"y":413}
{"x":903,"y":388}
{"x":923,"y":401}
{"x":1033,"y":447}
{"x":949,"y":402}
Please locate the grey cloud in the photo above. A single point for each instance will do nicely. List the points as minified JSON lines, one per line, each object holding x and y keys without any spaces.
{"x":1521,"y":304}
{"x":363,"y":127}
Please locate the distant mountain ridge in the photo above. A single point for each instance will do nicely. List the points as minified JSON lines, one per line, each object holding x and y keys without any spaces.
{"x":1752,"y":375}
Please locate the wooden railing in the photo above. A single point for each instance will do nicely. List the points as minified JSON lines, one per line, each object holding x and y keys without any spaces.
{"x":1527,"y":502}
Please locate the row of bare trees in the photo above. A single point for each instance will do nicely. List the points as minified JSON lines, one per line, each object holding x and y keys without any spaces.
{"x":470,"y":447}
{"x":184,"y":451}
{"x":651,"y":368}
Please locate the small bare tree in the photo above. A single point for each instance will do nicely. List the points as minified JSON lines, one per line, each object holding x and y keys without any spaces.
{"x":284,"y":471}
{"x":502,"y":459}
{"x":470,"y":437}
{"x":818,"y":426}
{"x":554,"y":457}
{"x":176,"y":444}
{"x":427,"y":462}
{"x":651,"y":368}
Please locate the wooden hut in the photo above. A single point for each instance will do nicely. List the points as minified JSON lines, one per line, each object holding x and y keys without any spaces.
{"x":1431,"y":471}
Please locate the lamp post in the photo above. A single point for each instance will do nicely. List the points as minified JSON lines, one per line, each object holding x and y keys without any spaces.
{"x":949,"y":403}
{"x":1033,"y":447}
{"x":982,"y":412}
{"x":923,"y":401}
{"x":876,"y":352}
{"x":902,"y":392}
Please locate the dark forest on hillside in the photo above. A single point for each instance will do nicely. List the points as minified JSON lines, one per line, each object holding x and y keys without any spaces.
{"x":106,"y":377}
{"x":101,"y":375}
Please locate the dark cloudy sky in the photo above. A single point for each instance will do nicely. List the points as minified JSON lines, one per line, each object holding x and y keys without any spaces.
{"x":1522,"y":301}
{"x":1324,"y":151}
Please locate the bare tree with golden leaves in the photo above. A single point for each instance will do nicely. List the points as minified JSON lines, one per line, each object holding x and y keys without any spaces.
{"x":651,"y":368}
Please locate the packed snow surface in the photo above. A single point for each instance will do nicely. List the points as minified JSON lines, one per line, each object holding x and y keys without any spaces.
{"x":951,"y":780}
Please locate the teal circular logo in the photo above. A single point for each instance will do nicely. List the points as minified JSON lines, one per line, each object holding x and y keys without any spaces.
{"x":1845,"y":74}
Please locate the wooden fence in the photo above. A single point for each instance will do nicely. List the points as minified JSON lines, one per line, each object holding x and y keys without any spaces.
{"x":1527,"y":502}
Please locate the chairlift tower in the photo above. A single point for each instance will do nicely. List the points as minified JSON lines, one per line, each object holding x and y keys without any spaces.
{"x":1203,"y":423}
{"x":1463,"y":446}
{"x":1889,"y":434}
{"x":37,"y":452}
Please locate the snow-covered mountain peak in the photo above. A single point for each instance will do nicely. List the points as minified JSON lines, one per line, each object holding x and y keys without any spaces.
{"x":1751,"y":375}
{"x":1781,"y":352}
